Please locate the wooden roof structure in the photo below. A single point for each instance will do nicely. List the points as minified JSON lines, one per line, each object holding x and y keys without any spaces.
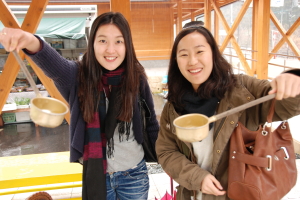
{"x":153,"y":44}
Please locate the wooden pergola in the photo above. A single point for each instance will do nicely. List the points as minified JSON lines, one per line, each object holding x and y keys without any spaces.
{"x":157,"y":44}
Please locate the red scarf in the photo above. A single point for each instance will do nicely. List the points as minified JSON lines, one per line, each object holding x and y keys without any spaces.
{"x":98,"y":133}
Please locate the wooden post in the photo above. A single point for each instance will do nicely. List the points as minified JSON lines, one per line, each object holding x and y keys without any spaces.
{"x":254,"y":34}
{"x":193,"y":15}
{"x":172,"y":26}
{"x":179,"y":16}
{"x":122,"y":6}
{"x":263,"y":31}
{"x":216,"y":26}
{"x":207,"y":14}
{"x":102,"y":8}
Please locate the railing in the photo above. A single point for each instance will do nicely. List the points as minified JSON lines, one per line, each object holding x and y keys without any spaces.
{"x":239,"y":69}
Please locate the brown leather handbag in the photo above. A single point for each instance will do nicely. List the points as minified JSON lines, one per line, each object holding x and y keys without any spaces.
{"x":262,"y":163}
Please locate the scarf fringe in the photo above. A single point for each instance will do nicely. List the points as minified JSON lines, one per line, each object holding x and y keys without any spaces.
{"x":124,"y":127}
{"x":111,"y":149}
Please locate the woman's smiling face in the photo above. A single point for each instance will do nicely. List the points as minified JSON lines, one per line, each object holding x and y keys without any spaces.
{"x":194,"y":58}
{"x":109,"y":46}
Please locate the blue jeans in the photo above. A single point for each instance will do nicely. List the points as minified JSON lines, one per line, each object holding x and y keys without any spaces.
{"x":132,"y":184}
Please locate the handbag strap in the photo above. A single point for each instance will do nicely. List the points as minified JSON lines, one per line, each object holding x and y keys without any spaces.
{"x":271,"y":111}
{"x":265,"y":162}
{"x":251,"y":160}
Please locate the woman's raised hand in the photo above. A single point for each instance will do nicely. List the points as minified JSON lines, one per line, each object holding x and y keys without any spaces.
{"x":285,"y":85}
{"x":17,"y":39}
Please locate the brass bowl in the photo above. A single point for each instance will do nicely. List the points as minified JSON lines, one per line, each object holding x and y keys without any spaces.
{"x":47,"y":112}
{"x":191,"y":127}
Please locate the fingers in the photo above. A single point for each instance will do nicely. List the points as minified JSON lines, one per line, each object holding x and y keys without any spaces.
{"x":2,"y":37}
{"x":285,"y":85}
{"x":217,"y":184}
{"x":210,"y":185}
{"x":13,"y":43}
{"x":12,"y":39}
{"x":6,"y":39}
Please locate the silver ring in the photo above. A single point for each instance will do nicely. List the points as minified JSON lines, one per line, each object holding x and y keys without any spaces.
{"x":3,"y":33}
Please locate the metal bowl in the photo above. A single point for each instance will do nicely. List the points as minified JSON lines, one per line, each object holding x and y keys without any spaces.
{"x":47,"y":112}
{"x":191,"y":127}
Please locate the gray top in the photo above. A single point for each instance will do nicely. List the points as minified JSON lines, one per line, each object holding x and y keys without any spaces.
{"x":127,"y":153}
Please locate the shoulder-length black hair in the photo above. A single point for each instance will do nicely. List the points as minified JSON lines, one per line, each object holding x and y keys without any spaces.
{"x":220,"y":80}
{"x":90,"y":71}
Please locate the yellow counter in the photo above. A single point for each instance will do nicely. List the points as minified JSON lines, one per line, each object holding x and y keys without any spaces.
{"x":38,"y":169}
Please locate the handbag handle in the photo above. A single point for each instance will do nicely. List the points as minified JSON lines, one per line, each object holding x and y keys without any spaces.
{"x":271,"y":111}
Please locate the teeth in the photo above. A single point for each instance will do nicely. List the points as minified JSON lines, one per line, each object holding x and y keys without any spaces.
{"x":195,"y":71}
{"x":110,"y":58}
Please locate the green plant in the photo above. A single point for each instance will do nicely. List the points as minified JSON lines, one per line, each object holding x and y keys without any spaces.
{"x":22,"y":101}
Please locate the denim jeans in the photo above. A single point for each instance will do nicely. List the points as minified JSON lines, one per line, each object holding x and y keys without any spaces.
{"x":132,"y":184}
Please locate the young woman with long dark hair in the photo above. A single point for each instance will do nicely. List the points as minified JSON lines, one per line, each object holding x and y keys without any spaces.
{"x":201,"y":81}
{"x":103,"y":91}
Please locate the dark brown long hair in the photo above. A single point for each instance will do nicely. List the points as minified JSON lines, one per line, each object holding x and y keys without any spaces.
{"x":90,"y":71}
{"x":220,"y":80}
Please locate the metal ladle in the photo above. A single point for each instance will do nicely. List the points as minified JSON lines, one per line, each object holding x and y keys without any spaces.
{"x":195,"y":127}
{"x":44,"y":111}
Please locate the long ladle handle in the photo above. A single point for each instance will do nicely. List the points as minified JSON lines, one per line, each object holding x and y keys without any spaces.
{"x":27,"y":74}
{"x":241,"y":107}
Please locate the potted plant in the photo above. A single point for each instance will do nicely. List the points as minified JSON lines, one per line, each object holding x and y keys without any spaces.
{"x":22,"y":102}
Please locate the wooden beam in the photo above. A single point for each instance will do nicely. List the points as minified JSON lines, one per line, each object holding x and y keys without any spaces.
{"x":30,"y":24}
{"x":179,"y":16}
{"x":122,"y":6}
{"x":233,"y":41}
{"x":189,"y":1}
{"x":193,"y":16}
{"x":254,"y":34}
{"x":184,"y":16}
{"x":186,"y":12}
{"x":286,"y":35}
{"x":172,"y":27}
{"x":194,"y":1}
{"x":236,"y":22}
{"x":95,"y":3}
{"x":189,"y":6}
{"x":102,"y":8}
{"x":207,"y":14}
{"x":7,"y":18}
{"x":263,"y":38}
{"x":216,"y":26}
{"x":11,"y":67}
